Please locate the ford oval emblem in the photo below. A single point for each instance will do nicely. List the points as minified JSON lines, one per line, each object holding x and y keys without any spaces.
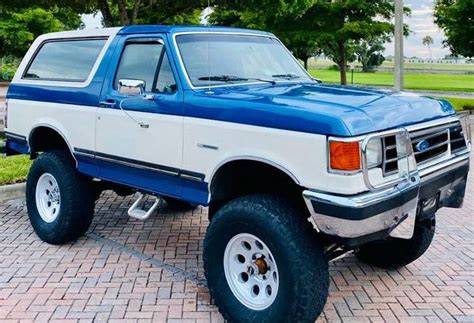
{"x":422,"y":146}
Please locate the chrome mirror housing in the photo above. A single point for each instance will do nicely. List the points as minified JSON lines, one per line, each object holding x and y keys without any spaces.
{"x":131,"y":87}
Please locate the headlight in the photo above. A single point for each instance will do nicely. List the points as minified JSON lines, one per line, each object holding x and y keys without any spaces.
{"x":374,"y":153}
{"x":466,"y":126}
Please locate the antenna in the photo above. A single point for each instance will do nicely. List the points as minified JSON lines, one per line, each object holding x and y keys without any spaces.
{"x":208,"y":9}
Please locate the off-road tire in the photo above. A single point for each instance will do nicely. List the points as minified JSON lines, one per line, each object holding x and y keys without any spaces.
{"x":76,"y":198}
{"x":179,"y":205}
{"x":395,"y":252}
{"x":302,"y":265}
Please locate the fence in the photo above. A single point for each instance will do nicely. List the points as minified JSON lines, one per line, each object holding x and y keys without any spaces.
{"x":409,"y":68}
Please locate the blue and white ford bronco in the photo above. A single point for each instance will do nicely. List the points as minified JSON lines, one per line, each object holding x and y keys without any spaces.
{"x":295,"y":173}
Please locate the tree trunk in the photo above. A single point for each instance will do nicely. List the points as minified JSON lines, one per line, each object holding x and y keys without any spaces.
{"x":431,"y":57}
{"x":305,"y":61}
{"x":343,"y":73}
{"x":136,"y":8}
{"x":106,"y":14}
{"x":365,"y":64}
{"x":122,"y":4}
{"x":342,"y":63}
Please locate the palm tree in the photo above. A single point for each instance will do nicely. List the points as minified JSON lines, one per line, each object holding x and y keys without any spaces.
{"x":428,"y":41}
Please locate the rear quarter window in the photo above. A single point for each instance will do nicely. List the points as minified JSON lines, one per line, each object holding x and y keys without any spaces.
{"x":65,"y":60}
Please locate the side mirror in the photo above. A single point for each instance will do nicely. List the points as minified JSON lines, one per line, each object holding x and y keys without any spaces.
{"x":131,"y":87}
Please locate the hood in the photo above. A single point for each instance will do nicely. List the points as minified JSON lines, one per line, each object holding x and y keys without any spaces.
{"x":326,"y":109}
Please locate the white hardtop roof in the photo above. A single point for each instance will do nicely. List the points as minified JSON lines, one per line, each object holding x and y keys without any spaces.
{"x":104,"y":32}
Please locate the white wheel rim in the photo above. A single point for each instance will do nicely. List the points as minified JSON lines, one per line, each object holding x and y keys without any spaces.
{"x":251,"y":271}
{"x":48,"y":198}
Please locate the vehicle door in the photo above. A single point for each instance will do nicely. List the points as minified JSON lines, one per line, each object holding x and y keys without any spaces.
{"x":139,"y":136}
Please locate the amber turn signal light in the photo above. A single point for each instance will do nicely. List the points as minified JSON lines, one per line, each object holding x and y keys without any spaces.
{"x":344,"y":156}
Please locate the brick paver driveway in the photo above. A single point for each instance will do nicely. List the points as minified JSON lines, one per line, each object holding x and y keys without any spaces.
{"x":152,"y":270}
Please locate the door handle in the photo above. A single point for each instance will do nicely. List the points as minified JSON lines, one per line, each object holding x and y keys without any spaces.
{"x":144,"y":125}
{"x":110,"y":103}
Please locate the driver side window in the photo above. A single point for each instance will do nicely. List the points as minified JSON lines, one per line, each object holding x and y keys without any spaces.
{"x":147,"y":62}
{"x":165,"y":82}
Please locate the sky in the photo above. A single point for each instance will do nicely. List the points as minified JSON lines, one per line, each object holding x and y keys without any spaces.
{"x":92,"y":21}
{"x":420,"y":23}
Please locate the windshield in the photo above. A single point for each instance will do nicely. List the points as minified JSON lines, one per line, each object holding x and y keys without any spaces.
{"x":216,"y":59}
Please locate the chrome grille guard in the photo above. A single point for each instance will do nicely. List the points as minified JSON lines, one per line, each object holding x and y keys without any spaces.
{"x":404,"y":153}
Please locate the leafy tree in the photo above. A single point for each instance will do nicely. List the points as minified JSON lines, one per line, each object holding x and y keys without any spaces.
{"x":19,"y":28}
{"x":428,"y":41}
{"x":332,"y":27}
{"x":369,"y":52}
{"x":456,"y":18}
{"x":376,"y":59}
{"x":124,"y":12}
{"x":344,"y":24}
{"x":21,"y":21}
{"x":77,"y":7}
{"x":127,"y":12}
{"x":274,"y":16}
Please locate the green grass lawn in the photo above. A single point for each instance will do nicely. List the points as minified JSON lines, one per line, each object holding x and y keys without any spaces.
{"x":320,"y":63}
{"x":461,"y":103}
{"x":448,"y":67}
{"x":429,"y":82}
{"x":14,"y":169}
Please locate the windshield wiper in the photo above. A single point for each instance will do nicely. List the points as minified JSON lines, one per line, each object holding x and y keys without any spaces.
{"x":231,"y":79}
{"x":287,"y":76}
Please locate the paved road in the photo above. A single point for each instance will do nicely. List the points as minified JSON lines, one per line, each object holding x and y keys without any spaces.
{"x":464,"y":95}
{"x":152,"y":271}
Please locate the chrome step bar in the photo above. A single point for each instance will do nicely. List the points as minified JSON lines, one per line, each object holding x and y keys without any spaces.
{"x":136,"y":212}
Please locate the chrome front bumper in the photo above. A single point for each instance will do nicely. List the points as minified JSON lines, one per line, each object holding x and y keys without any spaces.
{"x":393,"y":210}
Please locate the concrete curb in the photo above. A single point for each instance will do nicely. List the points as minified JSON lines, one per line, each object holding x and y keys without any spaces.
{"x":12,"y":192}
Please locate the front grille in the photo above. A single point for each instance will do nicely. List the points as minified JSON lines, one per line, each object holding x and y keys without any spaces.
{"x":437,"y":141}
{"x":428,"y":145}
{"x":458,"y":142}
{"x":390,"y":158}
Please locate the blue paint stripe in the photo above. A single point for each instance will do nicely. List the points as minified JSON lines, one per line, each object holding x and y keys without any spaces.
{"x":16,"y":147}
{"x":16,"y":144}
{"x":88,"y":96}
{"x":151,"y":178}
{"x":261,"y":114}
